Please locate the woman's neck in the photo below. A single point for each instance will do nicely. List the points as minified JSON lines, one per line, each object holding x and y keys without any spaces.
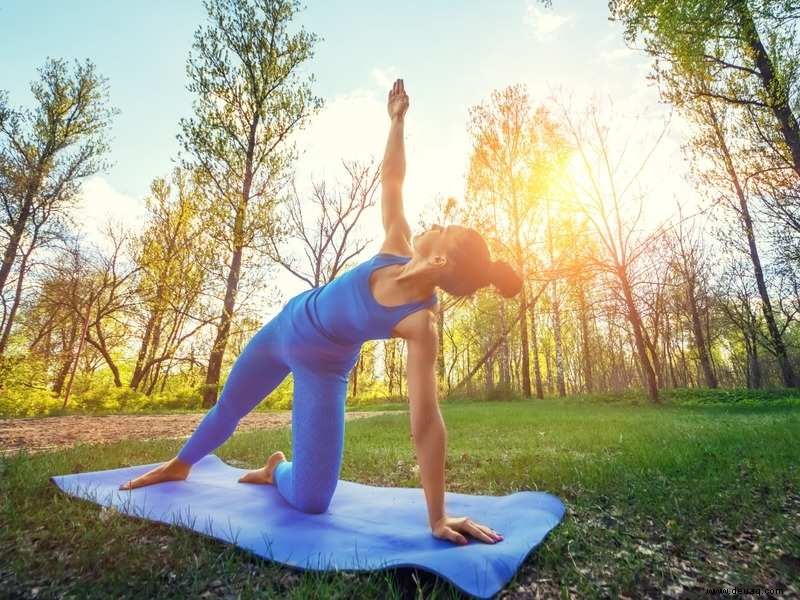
{"x":415,"y":280}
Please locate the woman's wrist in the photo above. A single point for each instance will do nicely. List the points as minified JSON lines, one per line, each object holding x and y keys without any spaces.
{"x":434,"y":519}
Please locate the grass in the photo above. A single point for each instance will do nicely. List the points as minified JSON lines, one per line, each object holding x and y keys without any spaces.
{"x":661,"y":501}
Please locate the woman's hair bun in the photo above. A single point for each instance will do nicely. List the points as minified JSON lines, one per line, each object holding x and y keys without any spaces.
{"x":503,"y":277}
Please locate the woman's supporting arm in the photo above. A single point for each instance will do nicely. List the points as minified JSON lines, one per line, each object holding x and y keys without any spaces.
{"x":427,"y":425}
{"x":430,"y":437}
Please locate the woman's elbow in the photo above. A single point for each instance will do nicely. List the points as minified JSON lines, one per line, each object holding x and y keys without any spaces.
{"x":425,"y":425}
{"x":392,"y":180}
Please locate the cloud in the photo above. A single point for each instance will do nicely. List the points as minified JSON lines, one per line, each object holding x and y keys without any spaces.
{"x":350,"y":126}
{"x":382,"y":78}
{"x":354,"y":125}
{"x":544,"y":23}
{"x":616,"y":55}
{"x":99,"y":203}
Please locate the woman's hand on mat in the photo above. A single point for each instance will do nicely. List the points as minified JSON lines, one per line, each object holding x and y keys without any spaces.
{"x":453,"y":528}
{"x":174,"y":470}
{"x":397,"y":104}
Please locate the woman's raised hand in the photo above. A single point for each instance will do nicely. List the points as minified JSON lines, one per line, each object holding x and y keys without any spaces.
{"x":397,"y":104}
{"x":453,"y":528}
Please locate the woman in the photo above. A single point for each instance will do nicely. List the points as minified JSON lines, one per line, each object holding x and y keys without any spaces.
{"x":317,"y":336}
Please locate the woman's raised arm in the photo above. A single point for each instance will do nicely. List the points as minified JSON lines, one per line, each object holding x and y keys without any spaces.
{"x":393,"y":171}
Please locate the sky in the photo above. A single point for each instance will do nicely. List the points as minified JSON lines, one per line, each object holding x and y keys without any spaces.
{"x":451,"y":56}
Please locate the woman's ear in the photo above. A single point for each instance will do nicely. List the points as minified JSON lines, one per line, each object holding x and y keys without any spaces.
{"x":437,"y":260}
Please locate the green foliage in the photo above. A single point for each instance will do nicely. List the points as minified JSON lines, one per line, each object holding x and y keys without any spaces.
{"x":658,"y":498}
{"x":24,"y":391}
{"x":28,"y":402}
{"x":281,"y":396}
{"x":243,"y":69}
{"x":743,"y":53}
{"x":739,"y":397}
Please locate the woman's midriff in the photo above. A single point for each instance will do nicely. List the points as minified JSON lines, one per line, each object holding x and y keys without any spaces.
{"x":307,"y":346}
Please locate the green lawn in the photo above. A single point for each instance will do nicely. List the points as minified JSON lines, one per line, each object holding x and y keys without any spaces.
{"x":660,"y":501}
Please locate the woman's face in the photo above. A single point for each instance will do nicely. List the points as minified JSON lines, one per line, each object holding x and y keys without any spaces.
{"x":431,"y":240}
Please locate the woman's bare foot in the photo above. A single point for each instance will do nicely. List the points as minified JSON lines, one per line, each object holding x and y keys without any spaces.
{"x":264,"y":474}
{"x":174,"y":470}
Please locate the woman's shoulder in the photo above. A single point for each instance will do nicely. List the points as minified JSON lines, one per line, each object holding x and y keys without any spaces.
{"x":421,"y":325}
{"x":396,"y":247}
{"x":390,"y":255}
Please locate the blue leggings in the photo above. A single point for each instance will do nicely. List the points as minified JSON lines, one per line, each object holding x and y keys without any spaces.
{"x":320,"y":374}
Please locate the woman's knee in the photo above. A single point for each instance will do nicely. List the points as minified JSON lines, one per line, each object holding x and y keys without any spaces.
{"x":312,"y":501}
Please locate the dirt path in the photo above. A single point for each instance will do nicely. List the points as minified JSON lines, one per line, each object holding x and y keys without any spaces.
{"x":50,"y":433}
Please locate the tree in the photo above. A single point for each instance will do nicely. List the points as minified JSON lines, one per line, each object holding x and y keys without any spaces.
{"x":613,"y":207}
{"x":689,"y":260}
{"x":717,"y":143}
{"x":84,"y":298}
{"x":720,"y":41}
{"x":243,"y":69}
{"x":516,"y":151}
{"x":175,"y":258}
{"x":329,"y":241}
{"x":46,"y":151}
{"x":735,"y":291}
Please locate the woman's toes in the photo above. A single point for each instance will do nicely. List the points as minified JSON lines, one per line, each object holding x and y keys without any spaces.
{"x":257,"y":476}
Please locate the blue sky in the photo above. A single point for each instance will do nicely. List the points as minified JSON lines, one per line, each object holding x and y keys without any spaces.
{"x":450,"y":54}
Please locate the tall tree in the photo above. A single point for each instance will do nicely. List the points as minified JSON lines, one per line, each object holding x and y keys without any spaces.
{"x":515,"y":151}
{"x":45,"y":151}
{"x":244,"y":70}
{"x":689,"y":260}
{"x":722,"y":42}
{"x":175,"y":258}
{"x":736,"y":290}
{"x":717,"y":144}
{"x":328,"y":236}
{"x":606,"y":196}
{"x":713,"y":63}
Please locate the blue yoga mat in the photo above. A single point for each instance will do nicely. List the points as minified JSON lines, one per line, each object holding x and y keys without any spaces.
{"x":364,"y":528}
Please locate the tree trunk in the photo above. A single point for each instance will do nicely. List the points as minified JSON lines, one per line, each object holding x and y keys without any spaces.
{"x":15,"y":304}
{"x":81,"y":343}
{"x":505,"y":373}
{"x":753,"y":367}
{"x":489,"y":370}
{"x":562,"y":391}
{"x":354,"y":376}
{"x":775,"y":90}
{"x":588,"y":383}
{"x":61,"y":376}
{"x":537,"y":368}
{"x":218,"y":349}
{"x":10,"y":254}
{"x":699,"y":338}
{"x":138,"y":370}
{"x":100,"y":345}
{"x":747,"y":224}
{"x":646,"y":369}
{"x":523,"y":328}
{"x":221,"y":341}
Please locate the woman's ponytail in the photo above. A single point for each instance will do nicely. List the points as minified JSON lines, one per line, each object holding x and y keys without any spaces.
{"x":503,"y":277}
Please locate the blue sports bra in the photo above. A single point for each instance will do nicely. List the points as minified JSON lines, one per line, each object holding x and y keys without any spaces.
{"x":345,"y":311}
